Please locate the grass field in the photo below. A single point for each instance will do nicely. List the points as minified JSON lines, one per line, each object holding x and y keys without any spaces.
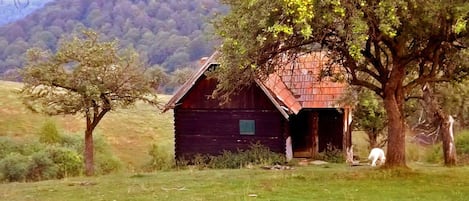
{"x":330,"y":182}
{"x":131,"y":131}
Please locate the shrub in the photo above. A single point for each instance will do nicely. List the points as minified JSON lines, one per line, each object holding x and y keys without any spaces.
{"x":49,"y":134}
{"x":435,"y":154}
{"x":30,"y":148}
{"x":257,"y":154}
{"x":41,"y":167}
{"x":462,"y":147}
{"x":14,"y":167}
{"x":7,"y":146}
{"x":106,"y":163}
{"x":160,"y":159}
{"x":73,"y":141}
{"x":227,"y":159}
{"x":462,"y":142}
{"x":68,"y":161}
{"x":331,"y":154}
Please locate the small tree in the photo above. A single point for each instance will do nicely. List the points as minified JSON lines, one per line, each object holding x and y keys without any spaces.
{"x":84,"y":76}
{"x":368,"y":114}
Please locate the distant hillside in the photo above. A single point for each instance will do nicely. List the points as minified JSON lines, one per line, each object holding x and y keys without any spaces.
{"x":169,"y":33}
{"x":11,"y":10}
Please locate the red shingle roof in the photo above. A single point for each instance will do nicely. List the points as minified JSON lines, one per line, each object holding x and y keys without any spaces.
{"x":298,"y":85}
{"x":295,"y":86}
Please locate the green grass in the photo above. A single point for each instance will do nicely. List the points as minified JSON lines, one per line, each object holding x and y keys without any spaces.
{"x":331,"y":182}
{"x":130,"y":132}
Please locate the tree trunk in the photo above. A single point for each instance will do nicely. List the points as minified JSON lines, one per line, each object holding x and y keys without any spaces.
{"x":395,"y":155}
{"x":372,"y":140}
{"x":449,"y":148}
{"x":89,"y":152}
{"x":444,"y":121}
{"x":394,"y":105}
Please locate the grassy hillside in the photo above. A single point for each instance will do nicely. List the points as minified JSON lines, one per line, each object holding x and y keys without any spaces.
{"x":130,"y":132}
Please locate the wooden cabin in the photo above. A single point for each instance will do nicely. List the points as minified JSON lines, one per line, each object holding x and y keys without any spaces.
{"x":292,"y":104}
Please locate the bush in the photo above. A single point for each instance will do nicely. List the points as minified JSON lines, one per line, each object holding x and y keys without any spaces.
{"x":41,"y":167}
{"x":462,"y":147}
{"x":30,"y":148}
{"x":49,"y":134}
{"x":160,"y":159}
{"x":435,"y":154}
{"x":73,"y":141}
{"x":14,"y":167}
{"x":331,"y":154}
{"x":257,"y":154}
{"x":462,"y":143}
{"x":7,"y":146}
{"x":68,"y":161}
{"x":106,"y":163}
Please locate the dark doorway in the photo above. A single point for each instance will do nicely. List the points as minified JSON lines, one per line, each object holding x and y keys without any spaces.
{"x":313,"y":130}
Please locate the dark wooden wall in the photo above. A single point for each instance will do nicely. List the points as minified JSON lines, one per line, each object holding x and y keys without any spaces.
{"x":204,"y":126}
{"x":212,"y":131}
{"x":199,"y":97}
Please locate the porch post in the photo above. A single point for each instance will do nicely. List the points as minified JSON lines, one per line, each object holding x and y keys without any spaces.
{"x":315,"y":134}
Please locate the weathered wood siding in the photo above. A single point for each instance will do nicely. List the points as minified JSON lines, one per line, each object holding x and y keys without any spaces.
{"x":200,"y":97}
{"x":204,"y":126}
{"x":212,"y":131}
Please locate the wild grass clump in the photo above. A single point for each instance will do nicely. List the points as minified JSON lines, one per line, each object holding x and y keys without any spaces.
{"x":331,"y":154}
{"x":462,"y":147}
{"x":49,"y":134}
{"x":256,"y":155}
{"x":434,"y":153}
{"x":52,"y":156}
{"x":160,"y":159}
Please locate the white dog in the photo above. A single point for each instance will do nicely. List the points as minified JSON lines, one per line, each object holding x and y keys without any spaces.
{"x":375,"y":155}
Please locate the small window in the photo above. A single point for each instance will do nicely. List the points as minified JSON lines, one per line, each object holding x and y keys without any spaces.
{"x":247,"y":127}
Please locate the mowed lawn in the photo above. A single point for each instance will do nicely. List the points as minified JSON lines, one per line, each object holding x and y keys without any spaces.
{"x":131,"y":131}
{"x":330,"y":182}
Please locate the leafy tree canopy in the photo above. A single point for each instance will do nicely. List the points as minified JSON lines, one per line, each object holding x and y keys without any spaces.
{"x":387,"y":46}
{"x":85,"y":76}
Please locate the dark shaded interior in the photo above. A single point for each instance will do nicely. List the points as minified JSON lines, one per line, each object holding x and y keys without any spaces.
{"x":330,"y":130}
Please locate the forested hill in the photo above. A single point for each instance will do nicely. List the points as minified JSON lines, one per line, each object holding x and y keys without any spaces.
{"x":11,"y":10}
{"x":169,"y":33}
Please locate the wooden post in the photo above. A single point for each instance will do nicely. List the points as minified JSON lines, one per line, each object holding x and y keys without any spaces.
{"x":315,"y":134}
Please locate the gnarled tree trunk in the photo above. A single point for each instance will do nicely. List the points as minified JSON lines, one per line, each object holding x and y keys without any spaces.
{"x":444,"y":121}
{"x":394,"y":104}
{"x":447,"y":137}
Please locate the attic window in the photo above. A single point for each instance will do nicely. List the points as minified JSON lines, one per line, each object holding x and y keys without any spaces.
{"x":212,"y":67}
{"x":247,"y":127}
